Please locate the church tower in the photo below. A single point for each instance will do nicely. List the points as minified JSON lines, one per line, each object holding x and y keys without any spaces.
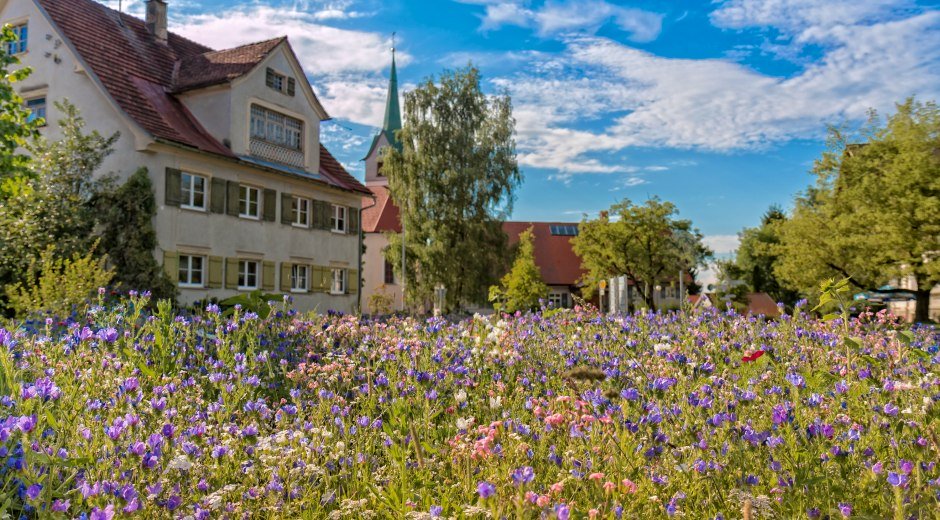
{"x":386,"y":136}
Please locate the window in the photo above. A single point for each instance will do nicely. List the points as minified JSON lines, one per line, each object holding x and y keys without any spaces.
{"x":280,"y":82}
{"x":191,"y":270}
{"x":300,"y":211}
{"x":192,"y":191}
{"x":37,"y":109}
{"x":299,"y":274}
{"x":19,"y":45}
{"x":249,"y":199}
{"x":378,"y":169}
{"x":389,"y":273}
{"x":339,"y":281}
{"x":554,"y":300}
{"x":247,"y":275}
{"x":338,"y":220}
{"x":276,"y":128}
{"x":564,"y":231}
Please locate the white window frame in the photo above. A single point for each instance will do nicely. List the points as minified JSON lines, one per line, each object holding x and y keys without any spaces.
{"x":39,"y":112}
{"x":555,"y":299}
{"x":338,"y":286}
{"x":276,"y":128}
{"x":189,"y":268}
{"x":300,"y":211}
{"x":245,"y":202}
{"x":244,"y":273}
{"x":188,"y":202}
{"x":339,"y":218}
{"x":21,"y":44}
{"x":299,"y":272}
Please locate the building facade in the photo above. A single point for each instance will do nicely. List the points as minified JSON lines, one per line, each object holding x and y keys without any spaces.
{"x":248,"y":198}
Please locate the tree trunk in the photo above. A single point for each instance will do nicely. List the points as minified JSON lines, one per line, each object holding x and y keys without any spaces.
{"x":922,"y":304}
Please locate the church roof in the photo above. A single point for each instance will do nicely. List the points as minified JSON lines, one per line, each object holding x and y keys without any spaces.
{"x":383,"y":216}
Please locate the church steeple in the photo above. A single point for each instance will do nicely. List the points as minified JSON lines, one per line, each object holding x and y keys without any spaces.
{"x":392,"y":122}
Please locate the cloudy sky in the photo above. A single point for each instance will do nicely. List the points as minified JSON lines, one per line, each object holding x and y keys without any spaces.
{"x":719,"y":106}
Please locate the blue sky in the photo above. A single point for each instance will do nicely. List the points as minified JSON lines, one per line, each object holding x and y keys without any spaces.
{"x":719,"y":106}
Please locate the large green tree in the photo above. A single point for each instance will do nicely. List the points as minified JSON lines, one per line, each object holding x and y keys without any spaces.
{"x":646,"y":243}
{"x":522,"y":287}
{"x":874,"y":213}
{"x":16,"y":125}
{"x":757,"y":255}
{"x":454,"y":181}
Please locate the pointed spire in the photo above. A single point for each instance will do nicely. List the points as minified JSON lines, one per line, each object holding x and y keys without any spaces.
{"x":392,"y":122}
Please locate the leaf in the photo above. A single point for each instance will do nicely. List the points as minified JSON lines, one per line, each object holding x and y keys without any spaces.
{"x":906,"y":336}
{"x":831,"y":316}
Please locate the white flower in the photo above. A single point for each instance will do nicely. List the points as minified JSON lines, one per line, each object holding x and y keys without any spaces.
{"x":180,"y":462}
{"x":461,"y":396}
{"x":463,"y":424}
{"x":661,"y":347}
{"x":496,"y":402}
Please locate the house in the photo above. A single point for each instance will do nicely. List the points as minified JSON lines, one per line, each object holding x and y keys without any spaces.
{"x":758,"y":303}
{"x":248,"y":198}
{"x":559,"y":265}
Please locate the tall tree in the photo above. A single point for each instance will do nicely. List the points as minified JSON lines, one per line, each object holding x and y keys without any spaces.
{"x":874,"y":213}
{"x":522,"y":287}
{"x":646,"y":243}
{"x":16,"y":124}
{"x":454,"y":181}
{"x":757,"y":255}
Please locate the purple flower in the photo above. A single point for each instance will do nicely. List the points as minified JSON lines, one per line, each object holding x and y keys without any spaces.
{"x":846,"y":509}
{"x":891,"y":409}
{"x":61,"y":506}
{"x":436,"y":511}
{"x":26,"y":423}
{"x":562,"y":511}
{"x":523,"y":475}
{"x":174,"y":502}
{"x":108,"y":335}
{"x":485,"y":489}
{"x":102,"y":514}
{"x":32,"y":492}
{"x":897,"y":479}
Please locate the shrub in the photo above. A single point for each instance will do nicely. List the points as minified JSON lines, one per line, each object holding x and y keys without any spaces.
{"x":60,"y":284}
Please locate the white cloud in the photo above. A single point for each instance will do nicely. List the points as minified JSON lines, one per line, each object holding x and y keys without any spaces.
{"x":637,"y":99}
{"x":722,"y":244}
{"x":555,"y":16}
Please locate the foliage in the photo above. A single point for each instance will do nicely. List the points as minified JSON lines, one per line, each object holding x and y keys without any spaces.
{"x":522,"y":287}
{"x":454,"y":181}
{"x":257,"y":302}
{"x":61,"y":284}
{"x":381,"y":302}
{"x":646,"y":243}
{"x":758,"y":253}
{"x":56,"y":206}
{"x":15,"y":125}
{"x":128,"y":236}
{"x":643,"y":416}
{"x":874,"y":213}
{"x":731,"y":288}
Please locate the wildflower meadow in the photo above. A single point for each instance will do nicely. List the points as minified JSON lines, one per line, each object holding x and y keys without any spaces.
{"x":564,"y":414}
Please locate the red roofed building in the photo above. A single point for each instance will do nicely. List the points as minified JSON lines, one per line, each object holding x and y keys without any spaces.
{"x":560,"y":266}
{"x":248,"y":197}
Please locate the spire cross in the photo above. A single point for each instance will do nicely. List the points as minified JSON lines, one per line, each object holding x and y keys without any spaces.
{"x":393,"y":42}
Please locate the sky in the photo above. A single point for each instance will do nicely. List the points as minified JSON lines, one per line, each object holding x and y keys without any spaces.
{"x":718,"y":106}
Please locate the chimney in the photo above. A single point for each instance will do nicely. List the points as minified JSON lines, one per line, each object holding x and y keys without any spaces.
{"x":156,"y":19}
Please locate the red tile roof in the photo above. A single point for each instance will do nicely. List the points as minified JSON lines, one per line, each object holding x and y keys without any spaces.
{"x":553,"y":254}
{"x":383,"y":216}
{"x":762,"y":303}
{"x":214,"y":67}
{"x":139,"y":73}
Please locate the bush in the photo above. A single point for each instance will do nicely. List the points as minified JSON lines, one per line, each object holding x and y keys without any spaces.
{"x":60,"y":285}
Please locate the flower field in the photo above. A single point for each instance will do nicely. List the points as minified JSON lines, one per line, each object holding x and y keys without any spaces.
{"x":565,"y":414}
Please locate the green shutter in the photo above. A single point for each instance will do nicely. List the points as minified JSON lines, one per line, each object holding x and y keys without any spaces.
{"x":286,"y":201}
{"x":353,"y":228}
{"x":217,"y":195}
{"x":291,"y":86}
{"x":231,"y":198}
{"x":352,"y":281}
{"x":269,"y":205}
{"x":171,"y":264}
{"x":322,"y":278}
{"x":285,"y":276}
{"x":321,"y":215}
{"x":173,"y":187}
{"x":231,"y":273}
{"x":215,"y":272}
{"x":267,"y":275}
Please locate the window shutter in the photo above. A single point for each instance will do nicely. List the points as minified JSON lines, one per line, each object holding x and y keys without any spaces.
{"x":269,"y":77}
{"x":231,"y":273}
{"x":323,"y":279}
{"x":291,"y":86}
{"x":217,"y":196}
{"x":285,"y":276}
{"x":231,"y":198}
{"x":321,"y":215}
{"x":353,"y":227}
{"x":215,"y":272}
{"x":286,"y":201}
{"x":352,"y":281}
{"x":173,"y":187}
{"x":269,"y":204}
{"x":171,"y":264}
{"x":267,"y":275}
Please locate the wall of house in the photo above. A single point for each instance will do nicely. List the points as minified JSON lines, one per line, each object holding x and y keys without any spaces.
{"x":906,"y":310}
{"x":372,"y":167}
{"x":213,"y":108}
{"x":373,"y":274}
{"x":58,"y":74}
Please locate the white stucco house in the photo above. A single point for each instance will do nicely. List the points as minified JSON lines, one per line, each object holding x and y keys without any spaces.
{"x":248,"y":198}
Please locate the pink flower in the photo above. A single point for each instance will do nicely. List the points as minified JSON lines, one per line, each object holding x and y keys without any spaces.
{"x":555,"y":419}
{"x":629,"y":485}
{"x":543,"y":501}
{"x":596,"y":476}
{"x":609,"y":486}
{"x":557,"y":487}
{"x":592,"y":514}
{"x":531,"y":497}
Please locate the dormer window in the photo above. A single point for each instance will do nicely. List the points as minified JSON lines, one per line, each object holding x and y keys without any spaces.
{"x":280,"y":82}
{"x":19,"y":45}
{"x":276,"y":137}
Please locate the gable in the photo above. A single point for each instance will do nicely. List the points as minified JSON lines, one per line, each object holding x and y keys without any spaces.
{"x":282,"y":60}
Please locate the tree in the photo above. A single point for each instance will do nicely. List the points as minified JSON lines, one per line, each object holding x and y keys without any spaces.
{"x":61,"y":284}
{"x":645,"y":243}
{"x":453,"y":180}
{"x":16,"y":126}
{"x":874,"y":212}
{"x":522,"y":287}
{"x":129,"y":238}
{"x":758,"y":254}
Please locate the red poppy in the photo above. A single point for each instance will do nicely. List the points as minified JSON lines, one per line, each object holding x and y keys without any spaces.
{"x":752,"y":356}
